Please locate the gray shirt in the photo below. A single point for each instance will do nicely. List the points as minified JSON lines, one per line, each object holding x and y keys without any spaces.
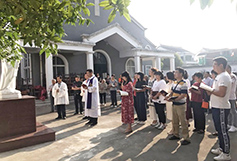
{"x":114,"y":87}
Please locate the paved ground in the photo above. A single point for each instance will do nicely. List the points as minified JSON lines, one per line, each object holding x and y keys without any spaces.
{"x":106,"y":141}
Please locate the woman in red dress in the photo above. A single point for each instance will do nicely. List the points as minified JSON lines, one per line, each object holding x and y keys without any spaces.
{"x":127,"y":108}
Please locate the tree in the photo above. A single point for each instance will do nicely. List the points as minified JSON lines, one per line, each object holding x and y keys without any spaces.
{"x":207,"y":3}
{"x":166,"y":62}
{"x":39,"y":23}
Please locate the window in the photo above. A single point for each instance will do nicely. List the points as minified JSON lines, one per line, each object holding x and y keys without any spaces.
{"x":130,"y":67}
{"x":26,"y":69}
{"x":147,"y":69}
{"x":58,"y":66}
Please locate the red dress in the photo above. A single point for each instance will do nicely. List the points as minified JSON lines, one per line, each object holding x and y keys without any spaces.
{"x":127,"y":108}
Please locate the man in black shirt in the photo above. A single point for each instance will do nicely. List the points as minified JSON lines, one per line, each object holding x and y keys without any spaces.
{"x":77,"y":94}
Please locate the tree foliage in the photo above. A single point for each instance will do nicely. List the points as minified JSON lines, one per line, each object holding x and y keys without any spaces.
{"x":39,"y":23}
{"x":166,"y":62}
{"x":208,"y":3}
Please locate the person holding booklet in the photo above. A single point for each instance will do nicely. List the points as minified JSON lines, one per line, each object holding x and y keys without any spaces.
{"x":140,"y":98}
{"x":92,"y":106}
{"x":178,"y":97}
{"x":221,"y":107}
{"x":127,"y":109}
{"x":158,"y":98}
{"x":196,"y":104}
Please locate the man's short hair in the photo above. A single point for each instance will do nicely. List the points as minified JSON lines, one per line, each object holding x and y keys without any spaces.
{"x":199,"y":75}
{"x":181,"y":70}
{"x":77,"y":76}
{"x":60,"y":77}
{"x":221,"y":60}
{"x":228,"y":66}
{"x":89,"y":70}
{"x":113,"y":75}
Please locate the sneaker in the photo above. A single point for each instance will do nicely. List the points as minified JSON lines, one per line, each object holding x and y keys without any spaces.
{"x":201,"y":132}
{"x":185,"y":142}
{"x":161,"y":127}
{"x":228,"y":126}
{"x":111,"y":105}
{"x":223,"y":156}
{"x":157,"y":125}
{"x":153,"y":124}
{"x":217,"y":151}
{"x":195,"y":130}
{"x":115,"y":106}
{"x":141,"y":122}
{"x":232,"y":129}
{"x":174,"y":138}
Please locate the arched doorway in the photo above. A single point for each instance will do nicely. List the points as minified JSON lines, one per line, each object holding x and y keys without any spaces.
{"x":60,"y":65}
{"x":100,"y":64}
{"x":130,"y":66}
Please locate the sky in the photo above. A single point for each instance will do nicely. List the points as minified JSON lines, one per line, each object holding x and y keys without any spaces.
{"x":177,"y":23}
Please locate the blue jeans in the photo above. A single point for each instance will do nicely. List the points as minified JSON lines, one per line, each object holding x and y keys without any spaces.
{"x":220,"y":118}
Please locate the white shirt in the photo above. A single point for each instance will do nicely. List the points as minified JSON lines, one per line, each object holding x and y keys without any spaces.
{"x":61,"y":97}
{"x":158,"y":86}
{"x":233,"y":87}
{"x":222,"y":79}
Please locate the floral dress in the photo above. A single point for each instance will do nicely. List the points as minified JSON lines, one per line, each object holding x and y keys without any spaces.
{"x":127,"y":108}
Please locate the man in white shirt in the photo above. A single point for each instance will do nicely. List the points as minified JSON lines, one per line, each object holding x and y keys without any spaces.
{"x":232,"y":99}
{"x":221,"y":107}
{"x":60,"y":94}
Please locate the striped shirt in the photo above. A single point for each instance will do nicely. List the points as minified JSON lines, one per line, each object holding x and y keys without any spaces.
{"x":179,"y":88}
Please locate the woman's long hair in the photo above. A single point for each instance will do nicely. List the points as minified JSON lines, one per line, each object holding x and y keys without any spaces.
{"x":126,"y":74}
{"x":141,"y":76}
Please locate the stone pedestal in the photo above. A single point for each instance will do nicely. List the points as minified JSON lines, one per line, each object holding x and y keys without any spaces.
{"x":18,"y":126}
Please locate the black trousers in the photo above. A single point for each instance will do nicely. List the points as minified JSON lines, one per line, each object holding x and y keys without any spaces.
{"x":102,"y":98}
{"x":220,"y":118}
{"x":61,"y":111}
{"x":199,"y":115}
{"x":160,"y":110}
{"x":141,"y":107}
{"x":78,"y":99}
{"x":113,"y":97}
{"x":51,"y":102}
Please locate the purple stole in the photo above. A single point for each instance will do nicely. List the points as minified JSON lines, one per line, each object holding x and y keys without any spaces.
{"x":89,"y":95}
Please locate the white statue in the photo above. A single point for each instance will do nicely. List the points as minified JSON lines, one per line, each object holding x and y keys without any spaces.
{"x":8,"y":80}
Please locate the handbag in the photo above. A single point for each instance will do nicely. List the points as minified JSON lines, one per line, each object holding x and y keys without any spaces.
{"x":205,"y":104}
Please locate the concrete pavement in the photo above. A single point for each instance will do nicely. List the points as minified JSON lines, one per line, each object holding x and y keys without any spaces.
{"x":106,"y":141}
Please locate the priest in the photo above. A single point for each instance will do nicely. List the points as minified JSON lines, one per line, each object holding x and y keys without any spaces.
{"x":92,"y":106}
{"x":60,"y":94}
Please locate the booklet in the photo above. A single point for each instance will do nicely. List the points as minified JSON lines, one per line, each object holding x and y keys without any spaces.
{"x":123,"y":93}
{"x":84,"y":85}
{"x":163,"y":92}
{"x":206,"y":87}
{"x":146,"y":86}
{"x":137,"y":89}
{"x":194,"y":88}
{"x":173,"y":97}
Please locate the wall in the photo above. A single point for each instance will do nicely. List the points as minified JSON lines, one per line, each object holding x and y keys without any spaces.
{"x":74,"y":32}
{"x":117,"y":63}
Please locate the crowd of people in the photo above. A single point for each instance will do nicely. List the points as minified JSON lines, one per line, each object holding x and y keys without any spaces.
{"x":170,"y":96}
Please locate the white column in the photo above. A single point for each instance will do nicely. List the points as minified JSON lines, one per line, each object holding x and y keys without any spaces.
{"x":49,"y":70}
{"x":41,"y":70}
{"x":172,"y":64}
{"x":158,"y":63}
{"x":137,"y":63}
{"x":90,"y":61}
